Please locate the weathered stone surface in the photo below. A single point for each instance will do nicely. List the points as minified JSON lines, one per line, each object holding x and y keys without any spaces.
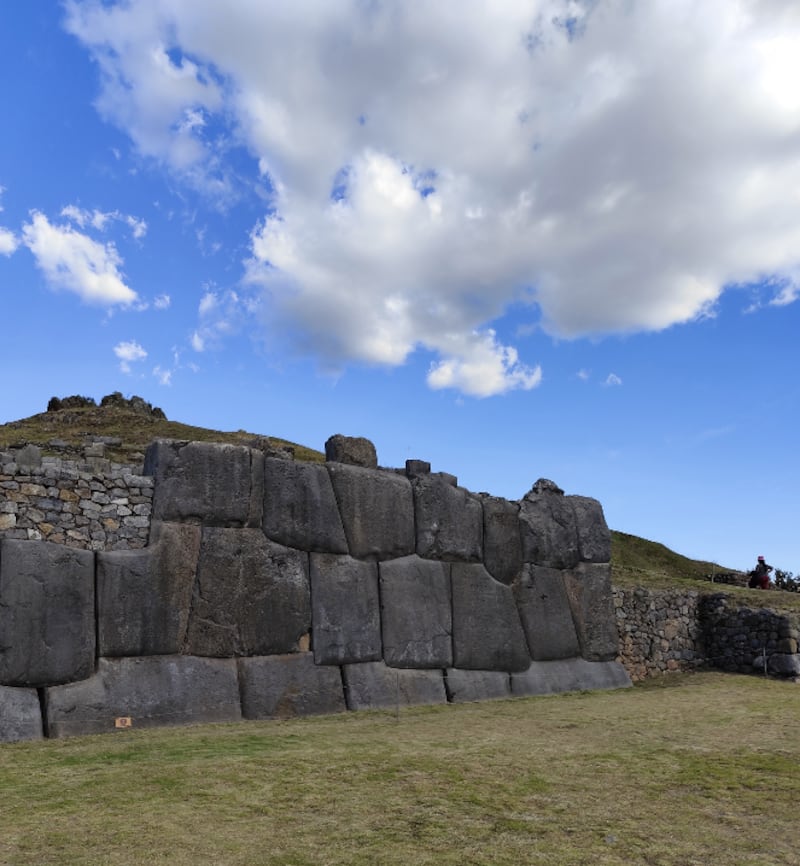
{"x":355,"y":450}
{"x":144,"y":596}
{"x":251,"y":597}
{"x":502,"y":544}
{"x":46,"y":613}
{"x":20,"y":715}
{"x":416,"y":613}
{"x":546,"y":614}
{"x":377,"y":511}
{"x":29,"y":457}
{"x":465,"y":686}
{"x":289,"y":685}
{"x":548,"y":527}
{"x":417,"y":467}
{"x":487,"y":633}
{"x":568,"y":675}
{"x":300,"y":508}
{"x":449,"y":521}
{"x":784,"y":664}
{"x":346,"y":610}
{"x":151,"y":691}
{"x":373,"y":685}
{"x":588,"y":588}
{"x":594,"y":537}
{"x":219,"y":485}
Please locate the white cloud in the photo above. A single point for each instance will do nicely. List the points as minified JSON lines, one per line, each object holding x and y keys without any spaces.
{"x":71,"y":260}
{"x":128,"y":353}
{"x":164,"y":376}
{"x":612,"y":380}
{"x":100,"y":220}
{"x":8,"y":241}
{"x":435,"y":164}
{"x":197,"y":342}
{"x":162,"y":302}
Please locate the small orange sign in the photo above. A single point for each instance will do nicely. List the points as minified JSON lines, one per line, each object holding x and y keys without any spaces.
{"x":123,"y":722}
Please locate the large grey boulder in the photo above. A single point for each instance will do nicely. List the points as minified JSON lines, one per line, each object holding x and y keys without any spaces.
{"x":144,"y":596}
{"x":373,"y":685}
{"x":346,"y":610}
{"x":416,"y":613}
{"x":487,"y":633}
{"x":784,"y":664}
{"x":569,"y":675}
{"x":282,"y":687}
{"x":150,"y":691}
{"x":548,"y":527}
{"x":251,"y":597}
{"x":546,"y":614}
{"x":20,"y":715}
{"x":594,"y":537}
{"x":465,"y":686}
{"x":377,"y":511}
{"x":355,"y":450}
{"x":47,"y":632}
{"x":588,"y":588}
{"x":300,"y":508}
{"x":502,"y":544}
{"x":449,"y":521}
{"x":215,"y":484}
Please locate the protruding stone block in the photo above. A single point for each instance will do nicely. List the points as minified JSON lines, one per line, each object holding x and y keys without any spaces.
{"x":784,"y":664}
{"x":29,"y":457}
{"x":594,"y":537}
{"x":465,"y":686}
{"x":373,"y":685}
{"x":218,"y":485}
{"x":548,"y":527}
{"x":449,"y":521}
{"x":546,"y":614}
{"x":300,"y":508}
{"x":47,"y":630}
{"x":346,"y":610}
{"x":487,"y":633}
{"x":416,"y":613}
{"x":355,"y":450}
{"x":282,"y":687}
{"x":502,"y":544}
{"x":144,"y":596}
{"x":251,"y":597}
{"x":20,"y":715}
{"x":588,"y":588}
{"x":150,"y":691}
{"x":568,"y":675}
{"x":415,"y":468}
{"x":377,"y":511}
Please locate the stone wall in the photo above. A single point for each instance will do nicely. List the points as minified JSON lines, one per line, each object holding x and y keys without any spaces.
{"x":662,"y":631}
{"x":271,"y":588}
{"x":90,"y":504}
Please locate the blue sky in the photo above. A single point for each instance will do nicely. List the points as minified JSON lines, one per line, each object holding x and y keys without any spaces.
{"x":549,"y":238}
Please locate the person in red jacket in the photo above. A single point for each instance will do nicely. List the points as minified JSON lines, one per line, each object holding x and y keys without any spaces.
{"x":761,"y":573}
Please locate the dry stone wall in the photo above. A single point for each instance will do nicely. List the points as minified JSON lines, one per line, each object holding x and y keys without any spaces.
{"x":271,"y":588}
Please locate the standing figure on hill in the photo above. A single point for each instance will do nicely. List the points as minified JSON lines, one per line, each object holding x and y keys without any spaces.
{"x":759,"y":576}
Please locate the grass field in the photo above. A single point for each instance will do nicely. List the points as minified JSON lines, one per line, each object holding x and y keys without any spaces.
{"x":690,"y":769}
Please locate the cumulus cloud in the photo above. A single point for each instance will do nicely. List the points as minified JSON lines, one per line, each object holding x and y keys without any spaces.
{"x":8,"y":242}
{"x":128,"y":353}
{"x":220,"y":315}
{"x":162,"y":302}
{"x":100,"y":220}
{"x":612,"y":380}
{"x":434,"y":165}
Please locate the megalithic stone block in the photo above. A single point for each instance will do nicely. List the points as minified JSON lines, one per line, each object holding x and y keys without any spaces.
{"x":568,"y":675}
{"x":546,"y":613}
{"x":502,"y":543}
{"x":285,"y":686}
{"x":346,"y":610}
{"x":300,"y":508}
{"x":20,"y":715}
{"x":47,"y":632}
{"x":373,"y":685}
{"x":355,"y":450}
{"x":144,"y":596}
{"x":548,"y":527}
{"x":487,"y":633}
{"x":149,"y":691}
{"x":377,"y":511}
{"x":465,"y":686}
{"x":251,"y":596}
{"x":594,"y":537}
{"x":416,"y":615}
{"x":588,"y":588}
{"x":449,"y":521}
{"x":214,"y":484}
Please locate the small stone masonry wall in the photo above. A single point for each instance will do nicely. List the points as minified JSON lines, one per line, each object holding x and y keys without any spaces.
{"x":274,"y":588}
